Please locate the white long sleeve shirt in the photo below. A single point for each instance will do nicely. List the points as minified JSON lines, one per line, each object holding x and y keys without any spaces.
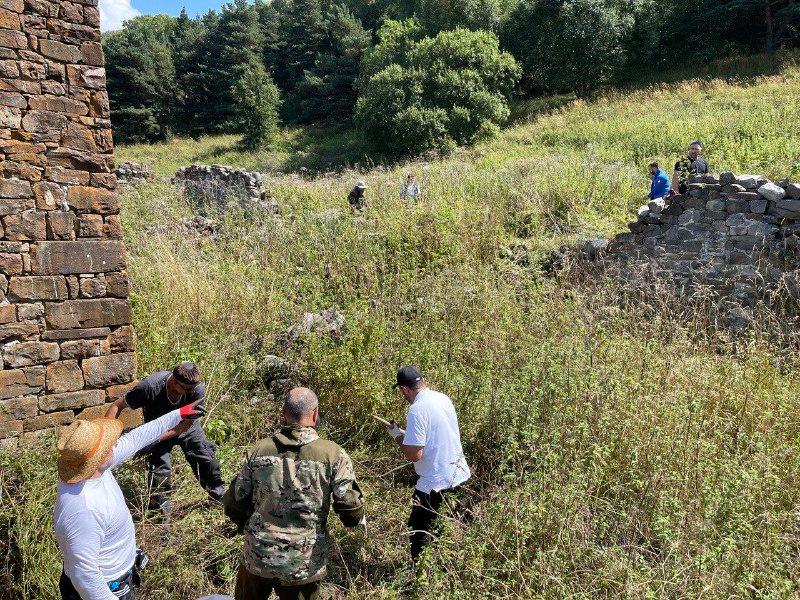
{"x":92,"y":523}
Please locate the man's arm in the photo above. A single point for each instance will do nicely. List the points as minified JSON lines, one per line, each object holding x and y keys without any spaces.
{"x":79,"y":541}
{"x":141,"y":437}
{"x":348,"y":501}
{"x":117,"y":407}
{"x":238,"y":500}
{"x":410,"y":452}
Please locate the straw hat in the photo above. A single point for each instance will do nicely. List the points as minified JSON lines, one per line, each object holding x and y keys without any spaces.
{"x":83,"y":446}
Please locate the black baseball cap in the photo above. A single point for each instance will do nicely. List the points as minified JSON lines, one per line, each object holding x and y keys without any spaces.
{"x":408,"y":376}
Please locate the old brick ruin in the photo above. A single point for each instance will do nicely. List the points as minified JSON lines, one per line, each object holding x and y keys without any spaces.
{"x":735,"y":234}
{"x":65,"y":318}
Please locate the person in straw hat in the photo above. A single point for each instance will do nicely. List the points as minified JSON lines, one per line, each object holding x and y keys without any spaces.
{"x":92,"y":523}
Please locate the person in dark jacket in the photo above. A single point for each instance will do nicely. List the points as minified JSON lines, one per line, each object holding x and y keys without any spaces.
{"x":687,"y":167}
{"x":157,"y":395}
{"x":660,"y":185}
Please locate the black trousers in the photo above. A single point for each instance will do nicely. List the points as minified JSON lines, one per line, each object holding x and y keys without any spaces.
{"x":68,"y":591}
{"x":201,"y":456}
{"x":424,"y":513}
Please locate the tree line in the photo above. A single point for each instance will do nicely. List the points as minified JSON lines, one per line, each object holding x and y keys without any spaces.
{"x":412,"y":74}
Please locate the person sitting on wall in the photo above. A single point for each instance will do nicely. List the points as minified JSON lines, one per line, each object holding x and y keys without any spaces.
{"x":659,"y":185}
{"x":156,"y":395}
{"x":692,"y":164}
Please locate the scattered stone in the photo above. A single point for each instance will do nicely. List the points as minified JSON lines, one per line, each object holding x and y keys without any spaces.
{"x":595,"y":248}
{"x":328,"y":322}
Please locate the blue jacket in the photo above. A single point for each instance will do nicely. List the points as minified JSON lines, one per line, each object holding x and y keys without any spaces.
{"x":660,"y":186}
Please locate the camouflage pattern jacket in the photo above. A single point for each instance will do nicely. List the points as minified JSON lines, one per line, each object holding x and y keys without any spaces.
{"x":281,"y":499}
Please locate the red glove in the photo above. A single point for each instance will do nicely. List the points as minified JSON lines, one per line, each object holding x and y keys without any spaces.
{"x":192,"y":411}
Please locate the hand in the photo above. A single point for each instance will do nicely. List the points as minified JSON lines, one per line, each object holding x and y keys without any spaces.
{"x":192,"y":411}
{"x":394,"y":430}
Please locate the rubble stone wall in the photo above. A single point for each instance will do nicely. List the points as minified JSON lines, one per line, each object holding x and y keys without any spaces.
{"x":65,"y":319}
{"x":737,"y":234}
{"x":217,"y":187}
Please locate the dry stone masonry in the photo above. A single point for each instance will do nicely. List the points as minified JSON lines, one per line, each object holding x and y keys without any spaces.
{"x":65,"y":319}
{"x":737,"y":234}
{"x":217,"y":187}
{"x":132,"y":173}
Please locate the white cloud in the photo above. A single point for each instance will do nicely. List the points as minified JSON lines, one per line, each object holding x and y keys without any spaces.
{"x":115,"y":12}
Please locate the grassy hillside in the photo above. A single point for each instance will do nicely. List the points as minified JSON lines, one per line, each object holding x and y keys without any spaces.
{"x":621,"y":448}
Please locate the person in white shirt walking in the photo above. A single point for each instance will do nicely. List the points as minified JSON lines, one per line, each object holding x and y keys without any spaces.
{"x":92,"y":523}
{"x":433,"y":443}
{"x":409,"y":190}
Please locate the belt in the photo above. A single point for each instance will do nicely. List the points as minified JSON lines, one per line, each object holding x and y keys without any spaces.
{"x":122,"y":585}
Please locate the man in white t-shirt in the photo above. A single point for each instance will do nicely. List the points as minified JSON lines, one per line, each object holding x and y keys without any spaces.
{"x":433,"y":443}
{"x":92,"y":523}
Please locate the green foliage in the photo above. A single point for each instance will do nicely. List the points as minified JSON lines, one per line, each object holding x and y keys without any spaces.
{"x":141,"y":79}
{"x":442,"y":92}
{"x":257,"y":100}
{"x":326,"y":88}
{"x":444,"y":15}
{"x":236,"y":47}
{"x":570,"y":45}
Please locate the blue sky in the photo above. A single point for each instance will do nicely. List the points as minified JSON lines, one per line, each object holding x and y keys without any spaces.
{"x":114,"y":12}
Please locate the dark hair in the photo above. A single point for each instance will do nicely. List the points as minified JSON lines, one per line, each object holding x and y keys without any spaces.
{"x":696,"y":143}
{"x":654,"y":164}
{"x":187,"y":373}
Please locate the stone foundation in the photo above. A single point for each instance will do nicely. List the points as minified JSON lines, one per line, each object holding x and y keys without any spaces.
{"x":65,"y":319}
{"x":737,"y":234}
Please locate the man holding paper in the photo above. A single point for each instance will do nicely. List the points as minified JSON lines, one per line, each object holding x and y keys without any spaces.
{"x":432,"y":442}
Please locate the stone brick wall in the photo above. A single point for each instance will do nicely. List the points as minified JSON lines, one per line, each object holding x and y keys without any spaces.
{"x":736,"y":234}
{"x":65,"y":319}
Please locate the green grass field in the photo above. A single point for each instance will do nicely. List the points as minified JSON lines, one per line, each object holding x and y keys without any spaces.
{"x":621,"y":448}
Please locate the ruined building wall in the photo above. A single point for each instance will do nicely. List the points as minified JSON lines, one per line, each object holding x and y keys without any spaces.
{"x":65,"y":319}
{"x":738,"y":235}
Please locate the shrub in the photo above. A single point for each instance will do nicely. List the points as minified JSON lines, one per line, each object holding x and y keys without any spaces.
{"x":435,"y":93}
{"x":257,"y":101}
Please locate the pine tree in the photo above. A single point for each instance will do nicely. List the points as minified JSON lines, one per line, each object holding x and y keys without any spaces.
{"x":257,"y":102}
{"x":235,"y":48}
{"x":327,"y":87}
{"x":141,"y":79}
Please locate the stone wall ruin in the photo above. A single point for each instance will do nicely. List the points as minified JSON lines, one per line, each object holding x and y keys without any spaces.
{"x":739,"y":235}
{"x":65,"y":318}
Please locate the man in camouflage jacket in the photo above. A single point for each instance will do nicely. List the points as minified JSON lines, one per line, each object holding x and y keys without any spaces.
{"x":281,"y":499}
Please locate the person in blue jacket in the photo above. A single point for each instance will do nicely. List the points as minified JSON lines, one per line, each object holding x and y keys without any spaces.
{"x":660,"y":185}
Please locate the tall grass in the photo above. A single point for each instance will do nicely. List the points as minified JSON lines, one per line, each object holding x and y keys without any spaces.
{"x":619,"y":450}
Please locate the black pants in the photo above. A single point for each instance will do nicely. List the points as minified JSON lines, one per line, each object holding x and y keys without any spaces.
{"x":68,"y":591}
{"x":200,"y":454}
{"x":424,"y":513}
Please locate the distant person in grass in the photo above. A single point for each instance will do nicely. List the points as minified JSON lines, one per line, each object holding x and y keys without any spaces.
{"x":157,"y":395}
{"x":692,"y":164}
{"x":357,"y":196}
{"x":431,"y":441}
{"x":281,"y":499}
{"x":92,"y":523}
{"x":659,"y":184}
{"x":409,"y":190}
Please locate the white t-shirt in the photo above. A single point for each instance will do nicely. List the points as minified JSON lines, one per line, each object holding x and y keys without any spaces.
{"x":92,"y":523}
{"x":432,"y":423}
